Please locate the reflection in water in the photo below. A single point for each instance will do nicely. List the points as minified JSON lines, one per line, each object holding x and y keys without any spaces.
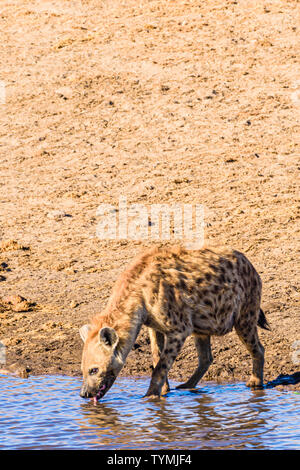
{"x":47,"y":412}
{"x":216,"y":416}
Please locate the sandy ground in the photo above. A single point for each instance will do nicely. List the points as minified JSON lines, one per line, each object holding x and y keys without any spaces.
{"x":186,"y":102}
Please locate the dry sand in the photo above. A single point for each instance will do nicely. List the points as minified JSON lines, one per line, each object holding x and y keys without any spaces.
{"x":162,"y":102}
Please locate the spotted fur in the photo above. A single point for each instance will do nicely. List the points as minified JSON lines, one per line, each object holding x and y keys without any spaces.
{"x":175,"y":293}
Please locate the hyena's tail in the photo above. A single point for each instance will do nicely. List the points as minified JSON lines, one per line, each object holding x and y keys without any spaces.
{"x":262,"y":321}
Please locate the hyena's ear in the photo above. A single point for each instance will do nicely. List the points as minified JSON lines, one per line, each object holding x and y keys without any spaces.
{"x":108,"y":337}
{"x":84,"y":331}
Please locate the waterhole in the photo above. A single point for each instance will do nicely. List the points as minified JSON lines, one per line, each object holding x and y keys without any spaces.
{"x":46,"y":412}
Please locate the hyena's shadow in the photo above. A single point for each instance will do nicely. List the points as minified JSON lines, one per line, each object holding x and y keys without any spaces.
{"x":284,"y":379}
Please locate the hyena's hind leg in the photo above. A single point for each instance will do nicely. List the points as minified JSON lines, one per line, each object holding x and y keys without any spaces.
{"x":157,"y":341}
{"x":249,"y":336}
{"x":205,"y":359}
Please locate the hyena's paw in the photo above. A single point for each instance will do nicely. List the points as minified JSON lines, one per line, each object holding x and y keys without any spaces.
{"x":153,"y":397}
{"x":186,"y":386}
{"x":254,"y":382}
{"x":165,"y":390}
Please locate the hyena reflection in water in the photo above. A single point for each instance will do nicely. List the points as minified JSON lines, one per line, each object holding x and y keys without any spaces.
{"x":176,"y":293}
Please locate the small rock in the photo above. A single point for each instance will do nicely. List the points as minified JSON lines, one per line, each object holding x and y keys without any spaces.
{"x":57,"y":215}
{"x":3,"y":266}
{"x":23,"y":372}
{"x":16,"y":369}
{"x":11,"y":245}
{"x":74,"y":304}
{"x":22,"y":307}
{"x":13,"y":299}
{"x":64,"y":92}
{"x":17,"y":303}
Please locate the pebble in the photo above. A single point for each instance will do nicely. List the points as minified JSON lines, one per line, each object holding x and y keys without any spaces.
{"x":13,"y":299}
{"x":17,"y":303}
{"x":11,"y":245}
{"x":56,"y":215}
{"x":64,"y":92}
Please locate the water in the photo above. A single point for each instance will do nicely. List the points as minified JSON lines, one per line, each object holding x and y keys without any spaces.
{"x":46,"y":412}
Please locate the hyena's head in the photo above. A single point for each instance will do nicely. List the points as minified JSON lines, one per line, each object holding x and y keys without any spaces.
{"x":100,"y":361}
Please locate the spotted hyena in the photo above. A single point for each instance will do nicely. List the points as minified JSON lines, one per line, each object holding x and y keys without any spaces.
{"x":176,"y":293}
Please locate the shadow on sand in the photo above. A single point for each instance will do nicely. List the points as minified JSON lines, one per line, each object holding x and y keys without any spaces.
{"x":285,"y":380}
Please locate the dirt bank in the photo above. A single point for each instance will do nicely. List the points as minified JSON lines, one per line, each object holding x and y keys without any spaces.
{"x":162,"y":102}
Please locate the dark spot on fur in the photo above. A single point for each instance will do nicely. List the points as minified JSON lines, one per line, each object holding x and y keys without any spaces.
{"x":245,"y":271}
{"x":170,"y":293}
{"x":229,"y":264}
{"x":181,"y":284}
{"x":208,"y":302}
{"x":215,"y":289}
{"x":214,"y":268}
{"x":203,"y":316}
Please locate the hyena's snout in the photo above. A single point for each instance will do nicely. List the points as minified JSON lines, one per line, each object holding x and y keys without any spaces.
{"x":86,"y":392}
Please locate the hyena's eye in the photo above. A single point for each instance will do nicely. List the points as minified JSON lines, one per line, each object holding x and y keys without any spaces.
{"x":93,"y":371}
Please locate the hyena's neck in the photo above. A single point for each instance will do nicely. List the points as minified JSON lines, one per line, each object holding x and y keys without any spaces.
{"x":127,"y":337}
{"x":127,"y":325}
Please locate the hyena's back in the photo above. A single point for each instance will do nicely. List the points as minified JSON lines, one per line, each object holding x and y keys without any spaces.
{"x":176,"y":293}
{"x":206,"y":291}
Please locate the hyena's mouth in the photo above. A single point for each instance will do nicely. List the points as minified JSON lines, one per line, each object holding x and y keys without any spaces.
{"x":104,"y":387}
{"x":100,"y":393}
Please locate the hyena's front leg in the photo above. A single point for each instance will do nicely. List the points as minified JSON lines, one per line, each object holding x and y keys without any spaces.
{"x":157,"y":340}
{"x":173,"y":344}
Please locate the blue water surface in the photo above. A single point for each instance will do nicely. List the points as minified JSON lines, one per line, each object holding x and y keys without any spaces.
{"x":46,"y":412}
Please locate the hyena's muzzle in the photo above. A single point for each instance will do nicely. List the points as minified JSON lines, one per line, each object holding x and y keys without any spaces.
{"x":98,"y":390}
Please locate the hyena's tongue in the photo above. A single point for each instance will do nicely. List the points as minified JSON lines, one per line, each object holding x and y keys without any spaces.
{"x":98,"y":396}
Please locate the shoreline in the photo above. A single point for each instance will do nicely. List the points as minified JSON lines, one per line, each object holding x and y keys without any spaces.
{"x":289,"y":383}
